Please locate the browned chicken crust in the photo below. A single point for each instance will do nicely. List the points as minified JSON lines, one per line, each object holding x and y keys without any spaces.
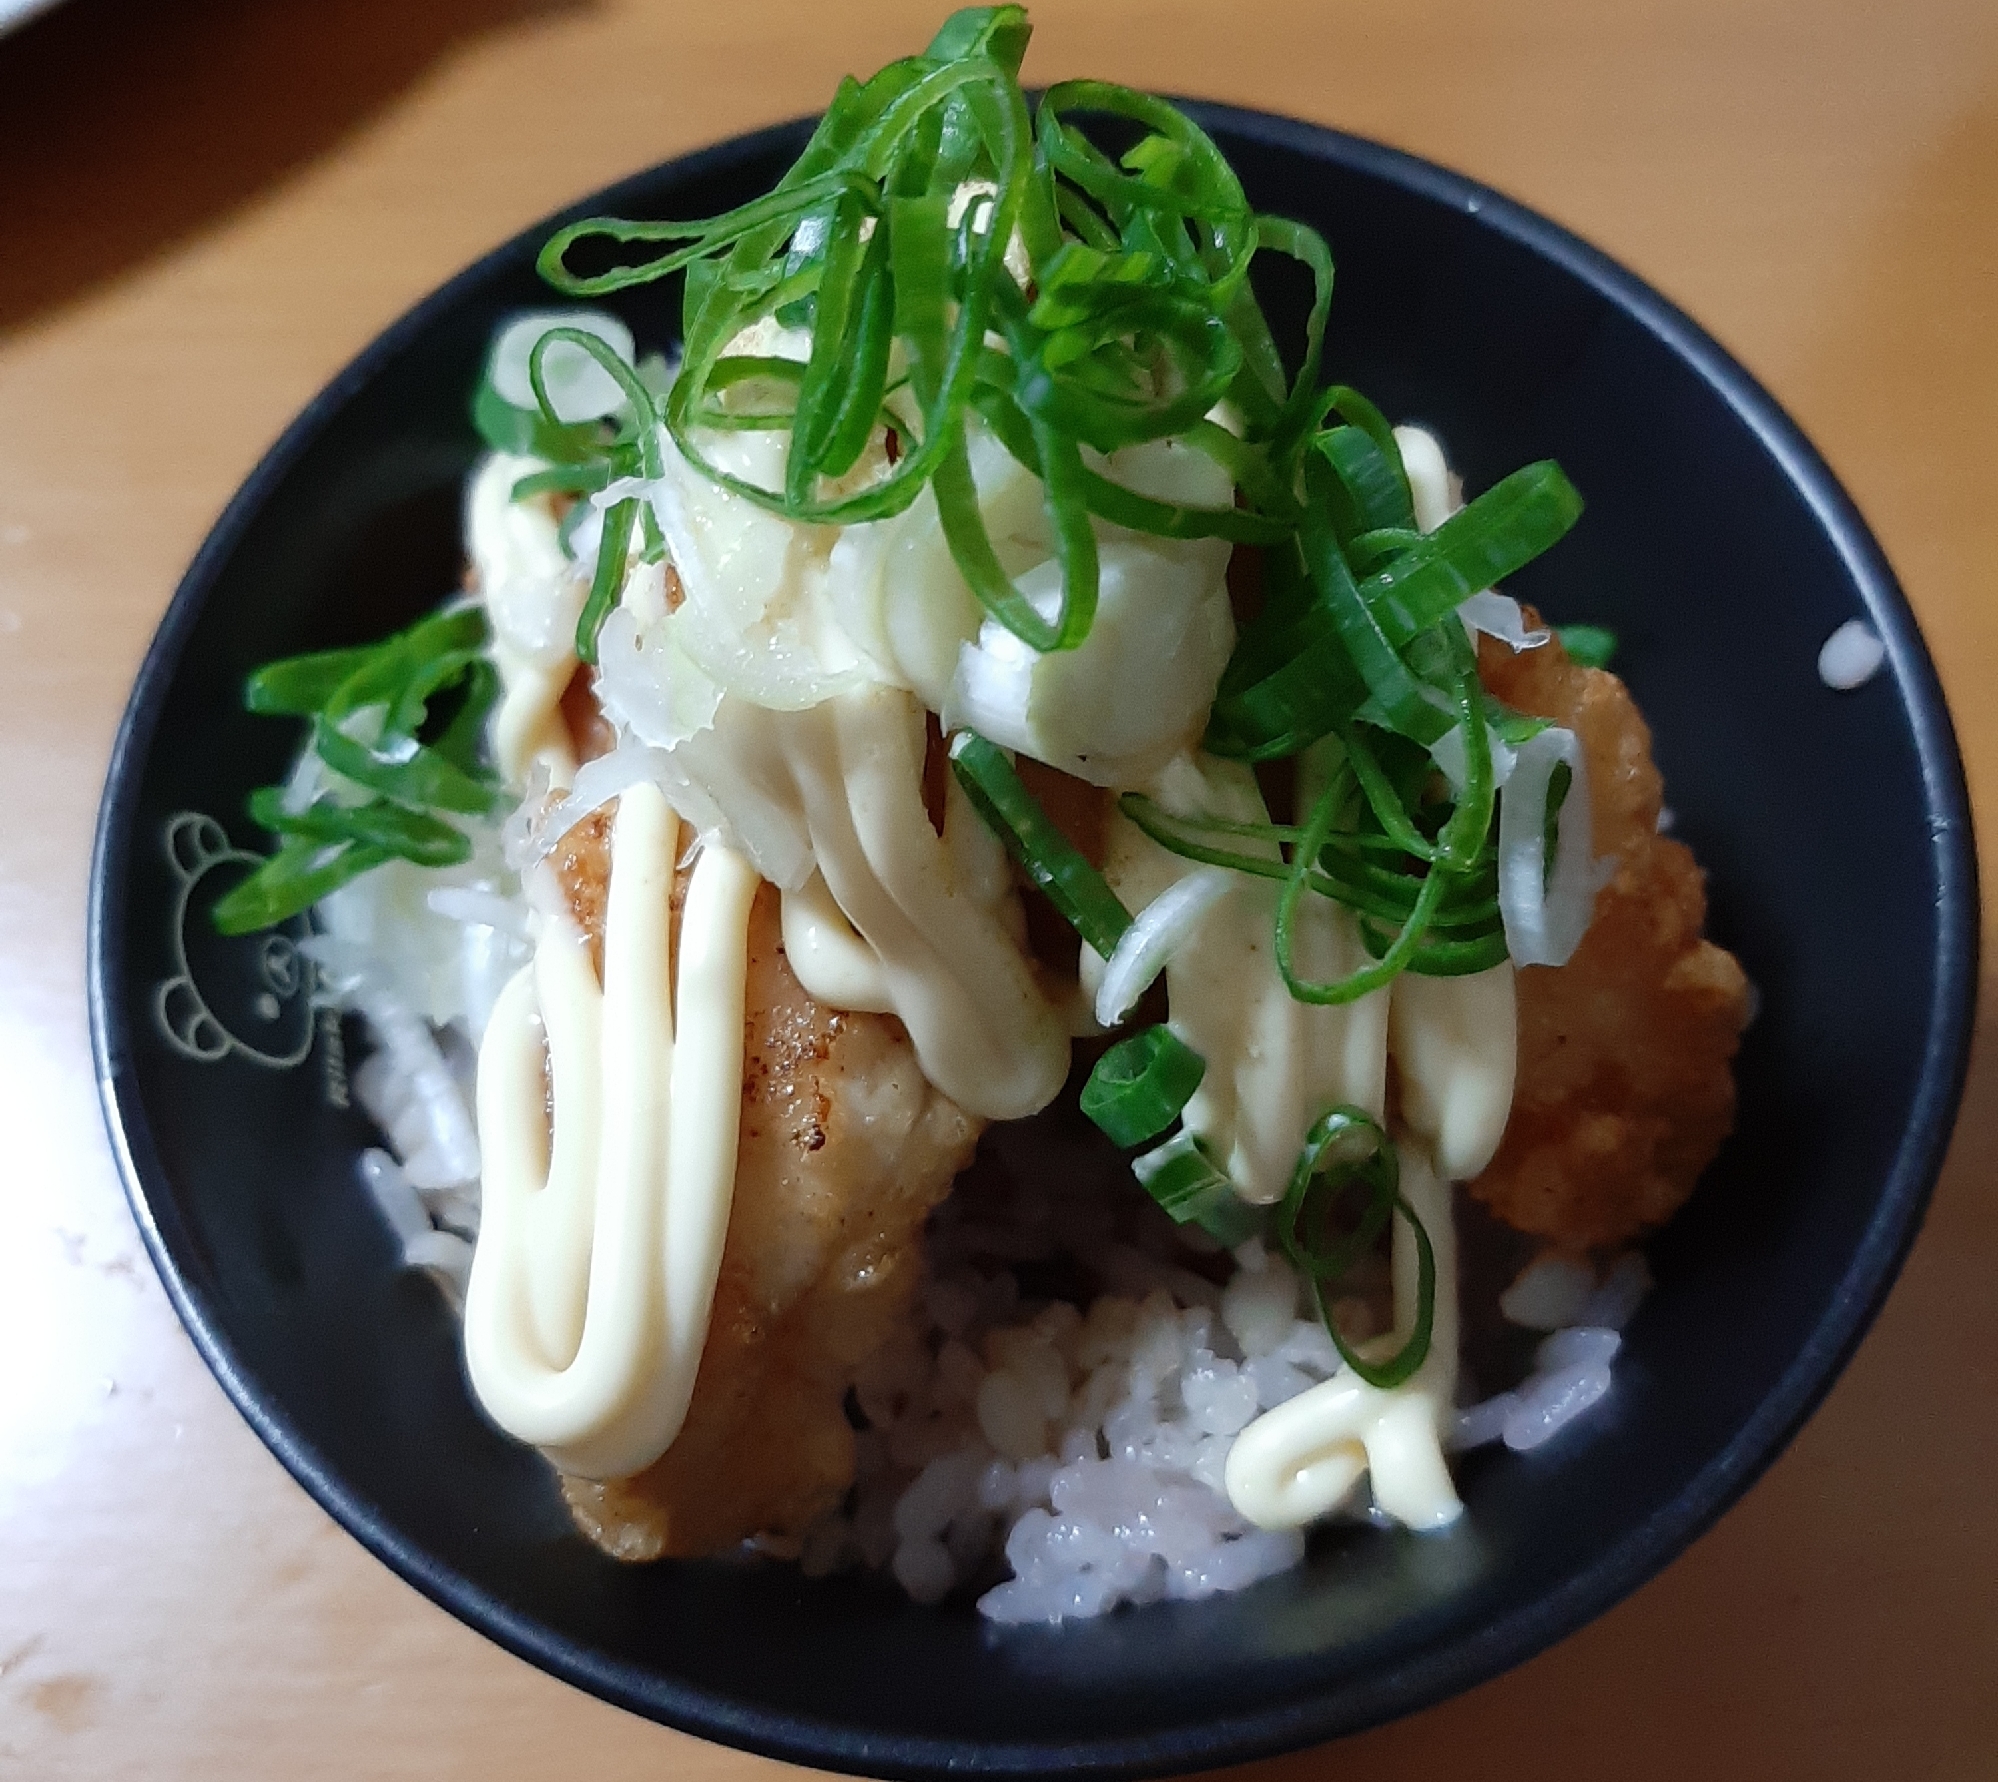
{"x":1626,"y":1081}
{"x":844,"y":1149}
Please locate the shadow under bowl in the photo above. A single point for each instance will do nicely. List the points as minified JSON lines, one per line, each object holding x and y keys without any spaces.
{"x":1834,"y":829}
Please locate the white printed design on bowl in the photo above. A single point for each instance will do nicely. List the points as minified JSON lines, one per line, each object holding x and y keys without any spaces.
{"x":270,"y":1014}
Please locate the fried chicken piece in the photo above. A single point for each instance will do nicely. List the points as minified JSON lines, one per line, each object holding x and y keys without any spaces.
{"x":582,"y":862}
{"x":844,"y":1148}
{"x":590,"y":732}
{"x":1626,"y":1082}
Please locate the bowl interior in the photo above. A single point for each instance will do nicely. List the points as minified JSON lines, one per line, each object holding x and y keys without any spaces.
{"x":1832,"y":828}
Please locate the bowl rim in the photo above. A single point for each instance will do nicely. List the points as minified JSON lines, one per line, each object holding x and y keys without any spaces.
{"x":1421,"y":1681}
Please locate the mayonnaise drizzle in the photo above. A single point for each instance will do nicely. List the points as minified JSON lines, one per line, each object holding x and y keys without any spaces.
{"x":831,"y":960}
{"x":840,"y":785}
{"x":532,"y":596}
{"x":949,"y":963}
{"x":595,"y":1269}
{"x":1274,"y":1063}
{"x":1298,"y":1461}
{"x":1456,"y":1051}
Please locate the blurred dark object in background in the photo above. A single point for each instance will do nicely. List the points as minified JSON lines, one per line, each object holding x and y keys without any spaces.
{"x":126,"y":125}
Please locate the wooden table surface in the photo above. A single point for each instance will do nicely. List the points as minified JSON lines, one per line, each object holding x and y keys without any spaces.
{"x":207,"y":207}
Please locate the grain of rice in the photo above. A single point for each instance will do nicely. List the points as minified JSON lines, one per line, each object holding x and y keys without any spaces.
{"x":1549,"y":1293}
{"x":1851,"y":656}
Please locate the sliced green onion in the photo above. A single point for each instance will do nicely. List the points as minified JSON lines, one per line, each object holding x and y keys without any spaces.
{"x":426,"y":840}
{"x":1111,"y":501}
{"x":1138,"y":323}
{"x":971,"y":549}
{"x":1347,"y":1148}
{"x":607,"y":583}
{"x":299,"y":685}
{"x":1076,"y":889}
{"x":845,"y":379}
{"x":1291,"y":680}
{"x":1365,"y":495}
{"x":1466,"y":838}
{"x":1493,"y":537}
{"x":644,"y":414}
{"x":1469,"y":903}
{"x":1184,"y":1179}
{"x":464,"y":737}
{"x":1591,"y":645}
{"x":1510,"y":727}
{"x":1443,"y":958}
{"x":1169,"y":832}
{"x":384,"y":672}
{"x":1408,"y":705}
{"x":1143,"y":810}
{"x":1307,"y":246}
{"x":296,"y":877}
{"x":1390,"y":501}
{"x":383,"y":695}
{"x":1140,"y":1085}
{"x":405,"y":770}
{"x":1371,"y":552}
{"x":1337,"y":873}
{"x":524,"y":433}
{"x":412,"y":701}
{"x":1385,"y":800}
{"x":563,"y":479}
{"x":1369,"y":977}
{"x":1284,"y":688}
{"x":1000,"y":32}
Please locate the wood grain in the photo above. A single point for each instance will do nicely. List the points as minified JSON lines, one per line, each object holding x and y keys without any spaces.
{"x":205,"y":209}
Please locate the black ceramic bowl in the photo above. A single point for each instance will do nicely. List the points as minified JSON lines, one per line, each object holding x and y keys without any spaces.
{"x":1833,"y":827}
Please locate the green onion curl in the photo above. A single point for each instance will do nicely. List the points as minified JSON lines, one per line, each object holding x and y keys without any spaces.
{"x":1345,"y":1149}
{"x":1367,"y":978}
{"x":1139,"y":1086}
{"x":1076,"y":889}
{"x":292,"y":880}
{"x":407,"y":775}
{"x":1137,"y":317}
{"x":1182,"y":1176}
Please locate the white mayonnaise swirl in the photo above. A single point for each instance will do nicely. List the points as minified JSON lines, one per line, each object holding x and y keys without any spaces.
{"x":532,"y":595}
{"x":937,"y":912}
{"x":587,"y":1309}
{"x":1274,"y":1064}
{"x":1296,"y":1462}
